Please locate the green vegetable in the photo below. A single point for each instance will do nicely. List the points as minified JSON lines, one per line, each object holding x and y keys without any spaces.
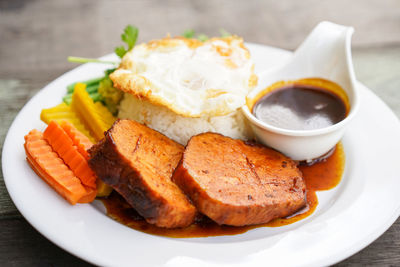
{"x":202,"y":37}
{"x":188,"y":34}
{"x":110,"y":96}
{"x":224,"y":33}
{"x":67,"y":99}
{"x":91,"y":82}
{"x":95,"y":96}
{"x":192,"y":34}
{"x":129,"y":37}
{"x":109,"y":71}
{"x":92,"y":88}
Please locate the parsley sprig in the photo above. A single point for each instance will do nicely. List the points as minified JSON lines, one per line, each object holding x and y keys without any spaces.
{"x":190,"y":33}
{"x":129,"y":36}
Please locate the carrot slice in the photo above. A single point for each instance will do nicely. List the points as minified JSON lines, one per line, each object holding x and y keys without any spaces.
{"x":51,"y":168}
{"x":79,"y":140}
{"x":63,"y":145}
{"x":83,"y":144}
{"x":90,"y":195}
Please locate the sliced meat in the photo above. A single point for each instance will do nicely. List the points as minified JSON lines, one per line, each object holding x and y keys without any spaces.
{"x":138,"y":163}
{"x":237,"y":183}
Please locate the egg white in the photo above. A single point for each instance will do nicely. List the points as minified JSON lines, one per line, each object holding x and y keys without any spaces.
{"x":189,"y":77}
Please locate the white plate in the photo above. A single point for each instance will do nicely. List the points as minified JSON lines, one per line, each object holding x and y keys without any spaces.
{"x":348,"y":218}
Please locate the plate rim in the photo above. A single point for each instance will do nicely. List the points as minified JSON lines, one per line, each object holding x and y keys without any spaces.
{"x":363,"y":243}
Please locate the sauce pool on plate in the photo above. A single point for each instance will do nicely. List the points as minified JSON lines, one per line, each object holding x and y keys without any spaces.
{"x":323,"y":175}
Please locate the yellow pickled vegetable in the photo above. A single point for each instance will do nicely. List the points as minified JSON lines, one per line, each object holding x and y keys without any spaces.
{"x":64,"y":112}
{"x":103,"y":190}
{"x":95,"y":116}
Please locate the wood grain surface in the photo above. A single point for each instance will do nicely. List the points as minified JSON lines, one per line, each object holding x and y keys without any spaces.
{"x":37,"y":36}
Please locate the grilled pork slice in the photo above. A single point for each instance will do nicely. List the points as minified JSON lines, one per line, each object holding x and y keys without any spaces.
{"x":237,"y":183}
{"x":138,"y":163}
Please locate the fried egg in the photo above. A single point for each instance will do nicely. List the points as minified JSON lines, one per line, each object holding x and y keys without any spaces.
{"x":189,"y":77}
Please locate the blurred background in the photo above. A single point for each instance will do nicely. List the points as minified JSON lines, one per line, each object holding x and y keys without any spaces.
{"x":37,"y":36}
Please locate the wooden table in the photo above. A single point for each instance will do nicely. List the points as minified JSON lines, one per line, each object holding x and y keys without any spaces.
{"x":37,"y":36}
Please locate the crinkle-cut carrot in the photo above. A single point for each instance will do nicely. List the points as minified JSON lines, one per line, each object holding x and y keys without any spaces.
{"x":79,"y":140}
{"x":83,"y":144}
{"x":95,"y":116}
{"x":51,"y":168}
{"x":63,"y":145}
{"x":64,"y":112}
{"x":90,"y":195}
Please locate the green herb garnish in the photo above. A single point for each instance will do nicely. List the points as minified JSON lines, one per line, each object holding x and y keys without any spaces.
{"x":88,"y":60}
{"x":129,"y":37}
{"x":224,"y":33}
{"x":189,"y":34}
{"x":201,"y":36}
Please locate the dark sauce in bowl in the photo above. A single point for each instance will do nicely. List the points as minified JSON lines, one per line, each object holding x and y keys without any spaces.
{"x":300,"y":107}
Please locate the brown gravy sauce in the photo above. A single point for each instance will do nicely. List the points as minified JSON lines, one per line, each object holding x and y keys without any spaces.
{"x":300,"y":107}
{"x":304,"y":104}
{"x":323,"y":175}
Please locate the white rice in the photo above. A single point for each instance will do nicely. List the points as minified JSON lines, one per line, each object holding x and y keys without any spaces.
{"x":180,"y":128}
